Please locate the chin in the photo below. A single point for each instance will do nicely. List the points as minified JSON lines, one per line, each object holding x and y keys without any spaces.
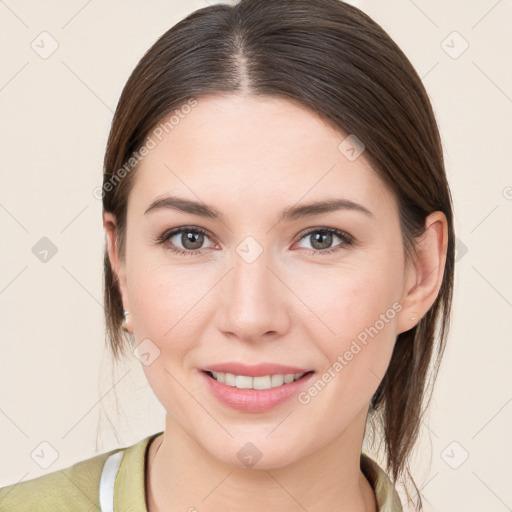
{"x":254,"y":451}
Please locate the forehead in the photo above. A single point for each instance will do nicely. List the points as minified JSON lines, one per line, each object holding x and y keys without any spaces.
{"x":240,"y":150}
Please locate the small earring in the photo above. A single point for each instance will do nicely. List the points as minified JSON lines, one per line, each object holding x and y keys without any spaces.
{"x":125,"y":320}
{"x":413,"y":318}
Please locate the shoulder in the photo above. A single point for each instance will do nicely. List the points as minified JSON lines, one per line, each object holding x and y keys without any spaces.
{"x":386,"y":495}
{"x":72,"y":488}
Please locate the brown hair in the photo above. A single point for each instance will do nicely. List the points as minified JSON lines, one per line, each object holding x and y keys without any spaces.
{"x":334,"y":59}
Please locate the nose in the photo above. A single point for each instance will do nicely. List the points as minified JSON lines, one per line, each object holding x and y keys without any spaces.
{"x":253,"y":302}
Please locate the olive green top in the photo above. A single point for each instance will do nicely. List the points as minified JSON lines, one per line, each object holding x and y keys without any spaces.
{"x":76,"y":487}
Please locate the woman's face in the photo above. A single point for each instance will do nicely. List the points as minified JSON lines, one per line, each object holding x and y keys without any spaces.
{"x":250,"y":288}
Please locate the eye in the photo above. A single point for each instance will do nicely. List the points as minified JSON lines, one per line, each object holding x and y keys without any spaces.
{"x":190,"y":238}
{"x":322,"y":238}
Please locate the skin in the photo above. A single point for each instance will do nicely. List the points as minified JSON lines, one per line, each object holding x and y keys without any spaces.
{"x":251,"y":158}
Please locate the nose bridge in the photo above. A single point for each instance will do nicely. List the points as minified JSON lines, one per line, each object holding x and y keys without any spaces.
{"x":253,"y":298}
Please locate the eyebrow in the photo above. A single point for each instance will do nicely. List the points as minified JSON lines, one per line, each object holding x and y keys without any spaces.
{"x":289,"y":214}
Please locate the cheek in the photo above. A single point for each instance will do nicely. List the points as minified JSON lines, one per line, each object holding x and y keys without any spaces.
{"x":164,"y":301}
{"x":354,"y":323}
{"x":167,"y":312}
{"x":172,"y":308}
{"x":343,"y":302}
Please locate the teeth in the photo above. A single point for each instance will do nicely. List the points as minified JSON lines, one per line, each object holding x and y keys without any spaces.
{"x":265,"y":382}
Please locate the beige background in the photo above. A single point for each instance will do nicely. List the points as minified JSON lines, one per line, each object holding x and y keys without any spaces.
{"x":56,"y":384}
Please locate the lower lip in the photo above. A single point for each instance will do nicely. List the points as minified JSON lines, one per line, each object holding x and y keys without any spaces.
{"x":255,"y":400}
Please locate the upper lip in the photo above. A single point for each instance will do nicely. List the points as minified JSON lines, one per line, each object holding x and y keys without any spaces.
{"x":258,"y":370}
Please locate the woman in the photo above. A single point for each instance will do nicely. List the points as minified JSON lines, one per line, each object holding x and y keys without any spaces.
{"x":280,"y":246}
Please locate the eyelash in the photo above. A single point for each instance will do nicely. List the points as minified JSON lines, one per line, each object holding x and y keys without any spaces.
{"x":347,"y":239}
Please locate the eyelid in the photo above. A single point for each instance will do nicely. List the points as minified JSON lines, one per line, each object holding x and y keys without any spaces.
{"x":325,"y":229}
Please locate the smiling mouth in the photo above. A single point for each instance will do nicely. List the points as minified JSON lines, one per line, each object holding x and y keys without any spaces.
{"x":256,"y":383}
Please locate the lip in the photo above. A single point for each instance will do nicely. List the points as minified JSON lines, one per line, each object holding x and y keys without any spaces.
{"x":255,"y":400}
{"x":259,"y":370}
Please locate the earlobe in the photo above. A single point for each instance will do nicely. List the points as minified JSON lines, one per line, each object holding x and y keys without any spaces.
{"x":424,"y":279}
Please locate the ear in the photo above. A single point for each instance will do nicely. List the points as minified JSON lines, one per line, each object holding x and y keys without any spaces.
{"x":117,"y":264}
{"x":423,"y":278}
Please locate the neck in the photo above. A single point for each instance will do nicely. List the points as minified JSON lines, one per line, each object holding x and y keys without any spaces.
{"x":329,"y":479}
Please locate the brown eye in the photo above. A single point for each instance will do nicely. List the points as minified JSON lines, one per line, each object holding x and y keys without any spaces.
{"x":191,"y":240}
{"x":321,"y":240}
{"x":187,"y":241}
